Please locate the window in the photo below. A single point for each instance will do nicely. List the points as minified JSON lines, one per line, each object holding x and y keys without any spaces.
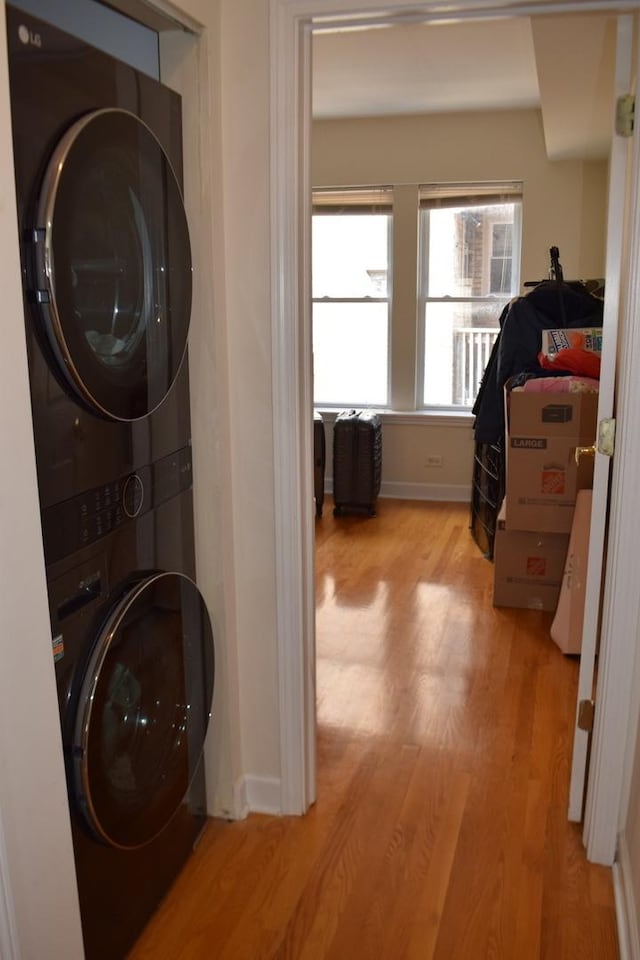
{"x":351,"y":240}
{"x":468,"y":270}
{"x":467,"y":254}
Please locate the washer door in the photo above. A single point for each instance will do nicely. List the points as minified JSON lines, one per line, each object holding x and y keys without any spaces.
{"x":143,"y":711}
{"x":113,"y":265}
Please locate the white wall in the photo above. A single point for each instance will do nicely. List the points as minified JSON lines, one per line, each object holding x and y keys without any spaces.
{"x":406,"y":445}
{"x":246,"y":165}
{"x":191,"y":63}
{"x":564,"y":201}
{"x":563,"y":205}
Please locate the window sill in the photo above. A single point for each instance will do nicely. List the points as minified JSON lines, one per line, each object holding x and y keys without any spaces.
{"x":431,"y":418}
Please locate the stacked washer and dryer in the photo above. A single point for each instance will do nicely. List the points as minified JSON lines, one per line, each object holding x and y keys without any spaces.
{"x":107,"y":292}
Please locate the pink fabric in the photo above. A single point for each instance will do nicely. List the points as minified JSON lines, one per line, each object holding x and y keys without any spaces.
{"x":561,"y":385}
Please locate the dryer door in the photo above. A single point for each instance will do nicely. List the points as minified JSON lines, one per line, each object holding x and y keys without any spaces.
{"x":143,"y":711}
{"x":113,"y":265}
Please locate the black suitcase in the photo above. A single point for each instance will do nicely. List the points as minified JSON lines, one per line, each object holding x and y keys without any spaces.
{"x":319,"y":461}
{"x":357,"y":461}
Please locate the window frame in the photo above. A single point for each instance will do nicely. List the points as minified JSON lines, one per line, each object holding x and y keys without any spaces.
{"x":433,"y":196}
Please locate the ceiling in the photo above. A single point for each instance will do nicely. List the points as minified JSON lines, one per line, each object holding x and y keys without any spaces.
{"x":563,"y":65}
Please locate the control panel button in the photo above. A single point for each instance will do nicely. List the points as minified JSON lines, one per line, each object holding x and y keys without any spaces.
{"x":133,"y":495}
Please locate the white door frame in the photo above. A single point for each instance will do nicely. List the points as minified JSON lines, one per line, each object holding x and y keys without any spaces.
{"x":617,"y":697}
{"x":620,"y":162}
{"x":291,"y":24}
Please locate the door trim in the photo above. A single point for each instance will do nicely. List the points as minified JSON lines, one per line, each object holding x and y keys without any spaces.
{"x":619,"y":167}
{"x":9,"y":949}
{"x":617,"y":695}
{"x":292,"y":396}
{"x":291,"y":22}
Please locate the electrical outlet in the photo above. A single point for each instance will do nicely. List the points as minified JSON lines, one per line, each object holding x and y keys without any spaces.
{"x":433,"y":460}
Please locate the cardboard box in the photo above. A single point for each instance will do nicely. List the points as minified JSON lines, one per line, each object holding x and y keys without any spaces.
{"x":587,"y":338}
{"x":528,"y":567}
{"x":542,"y":477}
{"x":566,"y":629}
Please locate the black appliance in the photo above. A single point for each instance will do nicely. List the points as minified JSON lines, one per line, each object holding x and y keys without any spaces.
{"x":107,"y":279}
{"x":133,"y":652}
{"x":105,"y":257}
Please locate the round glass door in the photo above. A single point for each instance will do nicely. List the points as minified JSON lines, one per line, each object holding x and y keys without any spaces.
{"x":113,"y":267}
{"x":143,"y":711}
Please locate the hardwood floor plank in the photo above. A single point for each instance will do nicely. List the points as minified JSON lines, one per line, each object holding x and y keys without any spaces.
{"x":346,"y":886}
{"x":433,"y":823}
{"x":440,"y":830}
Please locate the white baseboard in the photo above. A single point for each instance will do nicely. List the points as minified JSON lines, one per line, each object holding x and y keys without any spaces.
{"x":399,"y":490}
{"x":257,"y":795}
{"x":240,"y":802}
{"x":626,"y":914}
{"x":458,"y":492}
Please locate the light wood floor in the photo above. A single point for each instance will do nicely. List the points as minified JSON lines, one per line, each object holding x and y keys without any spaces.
{"x":444,"y":739}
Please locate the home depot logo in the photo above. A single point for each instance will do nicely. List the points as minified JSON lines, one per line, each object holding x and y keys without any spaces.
{"x":536,"y":566}
{"x":553,"y":480}
{"x":529,"y":443}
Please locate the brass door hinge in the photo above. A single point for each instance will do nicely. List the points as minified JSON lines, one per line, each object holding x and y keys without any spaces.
{"x":586,"y":711}
{"x":607,"y":436}
{"x":625,"y":115}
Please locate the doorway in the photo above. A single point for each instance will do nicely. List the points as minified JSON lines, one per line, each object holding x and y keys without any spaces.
{"x":291,"y":129}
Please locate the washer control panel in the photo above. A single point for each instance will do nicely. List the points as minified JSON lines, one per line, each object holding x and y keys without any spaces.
{"x":80,"y":521}
{"x":101,"y":510}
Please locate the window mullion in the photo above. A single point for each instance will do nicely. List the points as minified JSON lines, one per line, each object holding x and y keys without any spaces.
{"x":350,"y":299}
{"x":423,"y":290}
{"x":490,"y":299}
